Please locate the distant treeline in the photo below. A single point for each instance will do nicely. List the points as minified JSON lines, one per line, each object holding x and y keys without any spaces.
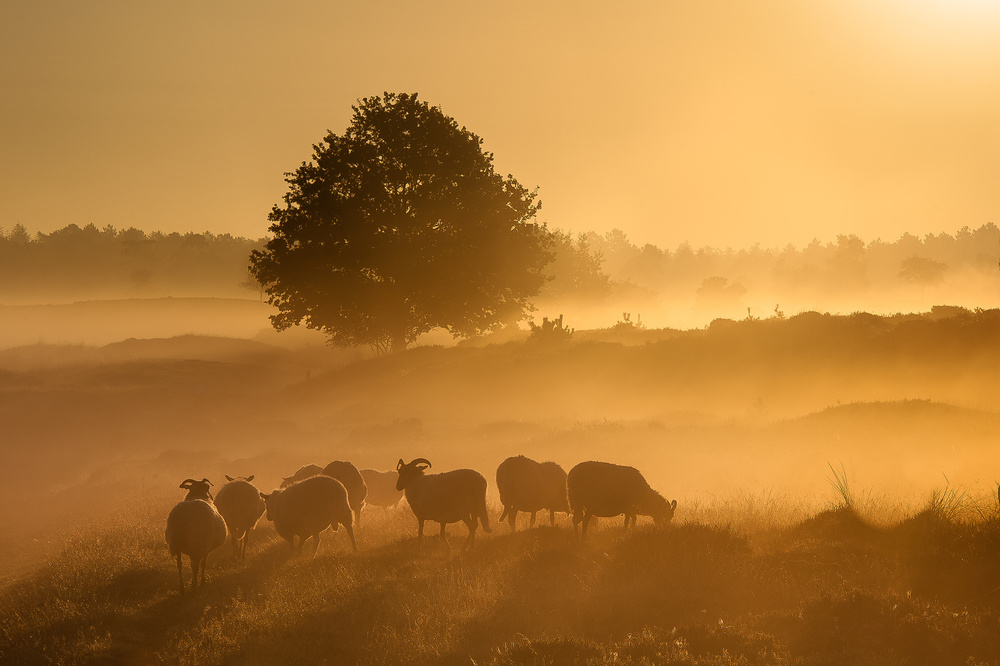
{"x":847,"y":275}
{"x":77,"y":263}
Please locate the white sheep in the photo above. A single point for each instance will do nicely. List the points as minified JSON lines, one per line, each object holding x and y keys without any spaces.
{"x":195,"y":528}
{"x":607,"y":490}
{"x":301,"y":473}
{"x":240,"y":503}
{"x":381,"y":488}
{"x":444,"y":498}
{"x":306,"y":508}
{"x":527,"y":485}
{"x":357,"y":490}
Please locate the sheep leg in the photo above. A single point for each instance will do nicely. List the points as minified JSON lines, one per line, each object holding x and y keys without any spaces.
{"x":350,"y":533}
{"x":202,"y":561}
{"x":577,"y":517}
{"x":532,"y":523}
{"x":444,"y":537}
{"x":552,"y":518}
{"x":586,"y":521}
{"x":512,"y":519}
{"x":180,"y":571}
{"x":315,"y":538}
{"x":420,"y":533}
{"x":472,"y":524}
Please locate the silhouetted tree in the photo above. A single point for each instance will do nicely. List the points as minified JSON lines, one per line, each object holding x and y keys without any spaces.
{"x":922,"y":271}
{"x":398,"y":226}
{"x":575,"y":270}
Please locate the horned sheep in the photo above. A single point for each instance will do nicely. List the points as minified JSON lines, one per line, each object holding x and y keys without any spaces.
{"x":241,"y":505}
{"x":530,"y":486}
{"x":349,"y":475}
{"x":306,"y":508}
{"x":195,"y":528}
{"x":444,"y":498}
{"x":607,"y":490}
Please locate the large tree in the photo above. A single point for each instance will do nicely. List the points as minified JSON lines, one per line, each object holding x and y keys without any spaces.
{"x":398,"y":226}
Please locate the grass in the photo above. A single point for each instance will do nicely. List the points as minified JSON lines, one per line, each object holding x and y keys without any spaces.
{"x":736,"y":582}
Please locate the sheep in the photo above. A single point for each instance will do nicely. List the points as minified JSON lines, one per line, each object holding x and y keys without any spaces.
{"x":527,"y":485}
{"x":240,"y":504}
{"x":195,"y":528}
{"x":608,"y":490}
{"x":444,"y":498}
{"x":349,"y":475}
{"x":301,"y":473}
{"x":381,"y":488}
{"x":308,"y":507}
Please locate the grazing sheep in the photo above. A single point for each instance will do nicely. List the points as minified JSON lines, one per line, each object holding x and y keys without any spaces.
{"x":349,"y":475}
{"x":301,"y":473}
{"x":194,"y":528}
{"x":530,"y":486}
{"x":306,"y":508}
{"x":381,"y":488}
{"x":240,"y":504}
{"x":444,"y":498}
{"x":607,"y":490}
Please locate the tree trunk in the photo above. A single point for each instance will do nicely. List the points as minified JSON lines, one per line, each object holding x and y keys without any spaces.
{"x":398,"y":342}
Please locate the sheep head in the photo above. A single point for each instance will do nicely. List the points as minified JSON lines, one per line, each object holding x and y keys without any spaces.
{"x":269,"y":502}
{"x":408,"y":472}
{"x":660,"y":509}
{"x":197,"y":489}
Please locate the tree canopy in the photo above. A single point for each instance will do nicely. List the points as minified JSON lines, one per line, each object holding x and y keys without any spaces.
{"x":398,"y":226}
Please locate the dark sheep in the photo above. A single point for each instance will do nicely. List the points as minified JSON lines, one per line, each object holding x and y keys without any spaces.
{"x":306,"y":508}
{"x":530,"y":486}
{"x":349,"y":475}
{"x":194,"y":528}
{"x":444,"y":498}
{"x":240,"y":503}
{"x":607,"y":490}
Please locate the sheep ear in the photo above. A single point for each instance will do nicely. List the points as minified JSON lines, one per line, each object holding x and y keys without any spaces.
{"x":263,"y":496}
{"x":673,"y":505}
{"x":186,"y":484}
{"x":229,"y":478}
{"x":249,"y":478}
{"x":400,"y":465}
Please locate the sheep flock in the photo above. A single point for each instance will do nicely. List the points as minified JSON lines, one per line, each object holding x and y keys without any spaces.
{"x":315,"y":498}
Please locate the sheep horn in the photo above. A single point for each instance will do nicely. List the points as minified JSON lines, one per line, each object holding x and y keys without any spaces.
{"x":208,"y":482}
{"x":420,"y":460}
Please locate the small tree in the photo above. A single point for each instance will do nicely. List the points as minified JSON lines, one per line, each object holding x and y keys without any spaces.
{"x":398,"y":226}
{"x":922,"y":271}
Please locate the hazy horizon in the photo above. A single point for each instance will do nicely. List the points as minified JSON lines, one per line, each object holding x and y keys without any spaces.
{"x":716,"y":123}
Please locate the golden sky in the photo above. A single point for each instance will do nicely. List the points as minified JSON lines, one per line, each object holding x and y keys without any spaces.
{"x":721,"y":122}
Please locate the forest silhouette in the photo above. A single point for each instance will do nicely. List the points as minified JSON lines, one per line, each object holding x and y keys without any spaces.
{"x":592,"y":277}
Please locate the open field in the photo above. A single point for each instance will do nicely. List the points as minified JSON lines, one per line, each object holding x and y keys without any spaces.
{"x":766,"y":562}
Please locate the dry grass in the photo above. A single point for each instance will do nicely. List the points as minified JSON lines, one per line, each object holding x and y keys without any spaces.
{"x":741,"y":581}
